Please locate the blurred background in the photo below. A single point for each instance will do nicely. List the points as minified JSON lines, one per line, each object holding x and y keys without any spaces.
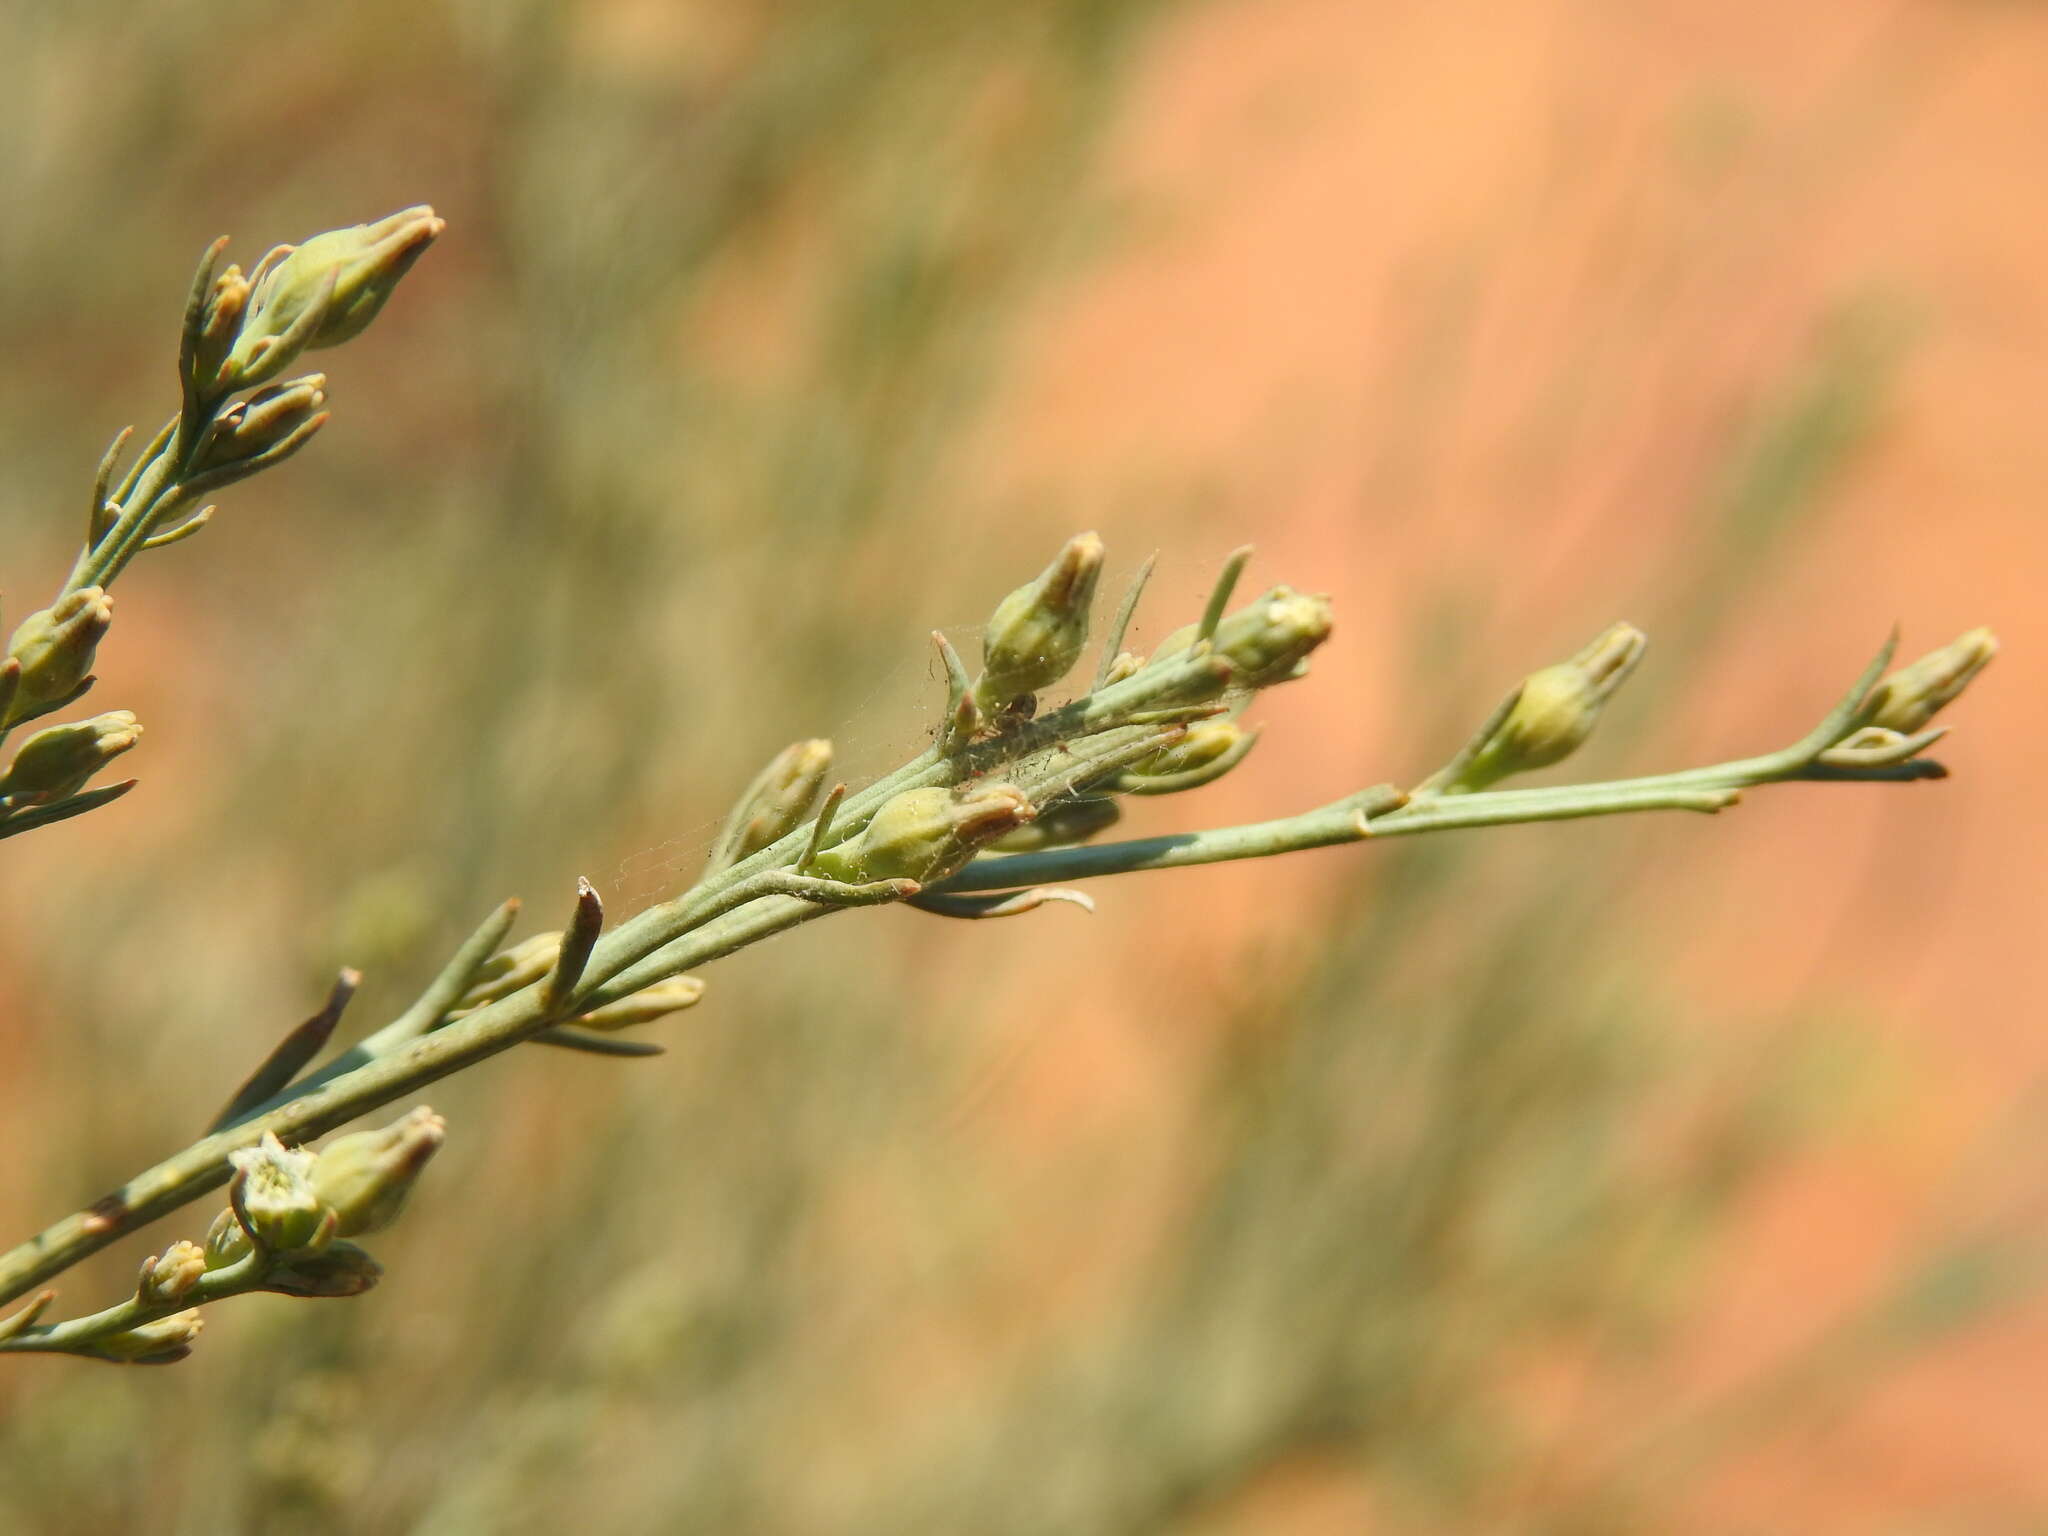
{"x":1672,"y":1175}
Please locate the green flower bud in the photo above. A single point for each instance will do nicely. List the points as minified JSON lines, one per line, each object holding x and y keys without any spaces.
{"x":512,"y":970}
{"x":55,"y":647}
{"x":219,"y":324}
{"x":269,"y":424}
{"x":364,"y":1178}
{"x":1266,"y":642}
{"x":646,"y":1005}
{"x":275,"y":1199}
{"x":1037,"y":633}
{"x":226,"y":1242}
{"x":780,"y":800}
{"x":163,"y":1342}
{"x":927,"y":834}
{"x":1915,"y":694}
{"x":354,"y":269}
{"x":339,"y":1269}
{"x":1205,"y":741}
{"x":1209,"y":750}
{"x":1555,"y":710}
{"x":1061,"y":825}
{"x":170,"y":1276}
{"x":56,"y":763}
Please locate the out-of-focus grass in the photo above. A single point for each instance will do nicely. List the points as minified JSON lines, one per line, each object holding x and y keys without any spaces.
{"x":655,"y":466}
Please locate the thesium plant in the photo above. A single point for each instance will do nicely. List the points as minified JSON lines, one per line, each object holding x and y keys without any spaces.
{"x":1005,"y":811}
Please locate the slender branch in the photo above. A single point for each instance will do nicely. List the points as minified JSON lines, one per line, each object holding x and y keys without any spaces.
{"x":681,"y":938}
{"x":1072,"y":751}
{"x":1348,"y":820}
{"x":69,"y":1337}
{"x":762,"y":895}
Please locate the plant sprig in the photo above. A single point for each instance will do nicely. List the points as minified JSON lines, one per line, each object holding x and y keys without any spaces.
{"x":239,"y":334}
{"x":994,"y":818}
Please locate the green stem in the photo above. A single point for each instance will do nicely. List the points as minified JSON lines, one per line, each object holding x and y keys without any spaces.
{"x":762,"y":896}
{"x":1704,"y":790}
{"x":1347,"y":821}
{"x":244,"y":1275}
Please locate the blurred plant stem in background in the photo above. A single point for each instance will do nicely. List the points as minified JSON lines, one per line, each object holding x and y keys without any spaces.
{"x":740,"y":282}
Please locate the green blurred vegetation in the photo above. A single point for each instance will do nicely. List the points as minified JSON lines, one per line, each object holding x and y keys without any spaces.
{"x":656,"y":465}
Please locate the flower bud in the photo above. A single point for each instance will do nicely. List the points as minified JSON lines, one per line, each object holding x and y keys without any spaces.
{"x":272,"y":421}
{"x":56,"y":763}
{"x":646,"y":1005}
{"x":1205,"y":741}
{"x":55,"y":647}
{"x":1555,"y":710}
{"x":1061,"y":825}
{"x":219,"y":324}
{"x":274,"y":1196}
{"x":1037,"y":633}
{"x":339,"y":1269}
{"x":226,"y":1242}
{"x":163,"y":1342}
{"x":1208,"y":750}
{"x":364,"y":1178}
{"x":780,"y":800}
{"x":927,"y":834}
{"x":512,"y":970}
{"x":1266,"y":642}
{"x":170,"y":1276}
{"x":1915,"y":694}
{"x":354,"y":269}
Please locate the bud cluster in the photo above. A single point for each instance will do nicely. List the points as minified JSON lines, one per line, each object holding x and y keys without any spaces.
{"x":293,"y":1202}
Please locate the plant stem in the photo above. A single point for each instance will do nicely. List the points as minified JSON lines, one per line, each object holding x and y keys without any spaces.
{"x":1063,"y":753}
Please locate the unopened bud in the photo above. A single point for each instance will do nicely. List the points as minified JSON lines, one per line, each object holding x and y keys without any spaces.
{"x":365,"y":1178}
{"x":274,"y":1197}
{"x":1061,"y":825}
{"x":219,"y":324}
{"x":512,"y":970}
{"x":354,"y":270}
{"x":927,"y":834}
{"x":163,"y":1342}
{"x":780,"y":800}
{"x":1555,"y":711}
{"x":1204,"y":742}
{"x":339,"y":1269}
{"x":1037,"y":633}
{"x":226,"y":1242}
{"x":1265,"y":642}
{"x":170,"y":1276}
{"x":1916,"y":693}
{"x":270,"y":422}
{"x":56,"y":763}
{"x":646,"y":1005}
{"x":55,"y":647}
